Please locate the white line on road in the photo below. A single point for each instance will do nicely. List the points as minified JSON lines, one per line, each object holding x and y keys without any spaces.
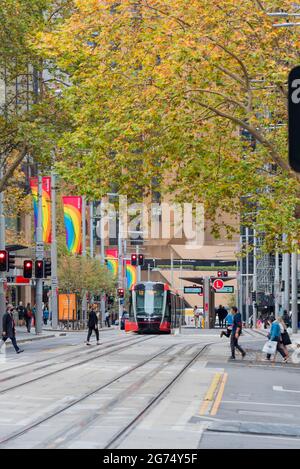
{"x":280,"y":388}
{"x":259,"y":403}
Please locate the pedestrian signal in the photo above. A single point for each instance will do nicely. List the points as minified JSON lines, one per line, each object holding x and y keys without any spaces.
{"x":3,"y":261}
{"x":133,"y":259}
{"x":47,"y":268}
{"x":11,"y":261}
{"x":27,"y":269}
{"x":141,"y":259}
{"x":39,"y":269}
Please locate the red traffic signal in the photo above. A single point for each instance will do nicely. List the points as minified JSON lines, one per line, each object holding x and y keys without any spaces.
{"x":3,"y":261}
{"x":27,"y":269}
{"x":222,"y":273}
{"x":133,"y":259}
{"x":141,"y":259}
{"x":39,"y":269}
{"x":120,"y":292}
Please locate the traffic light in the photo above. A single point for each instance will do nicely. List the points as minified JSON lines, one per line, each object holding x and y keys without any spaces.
{"x":253,"y":296}
{"x":11,"y":261}
{"x":120,"y":292}
{"x":3,"y":261}
{"x":27,"y":269}
{"x":39,"y":269}
{"x":47,"y":268}
{"x":141,"y":259}
{"x":222,"y":273}
{"x":133,"y":259}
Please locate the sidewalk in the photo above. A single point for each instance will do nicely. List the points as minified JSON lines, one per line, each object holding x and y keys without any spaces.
{"x":23,"y":336}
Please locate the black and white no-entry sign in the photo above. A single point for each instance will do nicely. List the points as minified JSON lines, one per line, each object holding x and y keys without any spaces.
{"x":294,"y":118}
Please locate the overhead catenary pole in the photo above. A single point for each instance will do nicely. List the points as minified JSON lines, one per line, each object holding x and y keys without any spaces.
{"x":120,"y":263}
{"x":54,"y":279}
{"x":247,"y":276}
{"x":286,"y":278}
{"x":254,"y":307}
{"x":2,"y":246}
{"x":84,"y":297}
{"x":295,"y":292}
{"x":39,"y":256}
{"x":277,"y":285}
{"x":102,"y":258}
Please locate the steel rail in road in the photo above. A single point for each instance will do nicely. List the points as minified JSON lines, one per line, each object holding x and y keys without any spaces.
{"x":81,"y":350}
{"x":125,"y":431}
{"x":79,"y":347}
{"x":79,"y":363}
{"x":68,"y":434}
{"x":80,"y":399}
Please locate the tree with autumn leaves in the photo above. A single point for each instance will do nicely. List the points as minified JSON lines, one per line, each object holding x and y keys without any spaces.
{"x":188,"y":98}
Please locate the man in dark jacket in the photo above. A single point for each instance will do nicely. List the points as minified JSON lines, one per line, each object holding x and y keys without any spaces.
{"x":236,"y":332}
{"x":9,"y":331}
{"x":93,"y":326}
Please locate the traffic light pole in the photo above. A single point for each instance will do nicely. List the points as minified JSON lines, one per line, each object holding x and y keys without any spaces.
{"x":120,"y":264}
{"x":39,"y":256}
{"x":54,"y":280}
{"x":2,"y":247}
{"x":84,"y":298}
{"x":139,"y":269}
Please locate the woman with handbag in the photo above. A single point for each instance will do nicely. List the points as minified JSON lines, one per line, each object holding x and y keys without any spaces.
{"x":275,"y":336}
{"x":285,"y":338}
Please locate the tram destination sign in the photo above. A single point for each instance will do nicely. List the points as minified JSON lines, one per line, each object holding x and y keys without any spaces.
{"x":193,"y":290}
{"x":226,"y":289}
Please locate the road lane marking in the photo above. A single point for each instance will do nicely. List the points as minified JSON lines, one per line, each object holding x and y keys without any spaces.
{"x":280,"y":389}
{"x":210,"y":393}
{"x":218,"y":400}
{"x":260,"y":403}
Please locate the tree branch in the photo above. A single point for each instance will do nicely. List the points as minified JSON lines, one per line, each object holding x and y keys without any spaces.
{"x":3,"y":182}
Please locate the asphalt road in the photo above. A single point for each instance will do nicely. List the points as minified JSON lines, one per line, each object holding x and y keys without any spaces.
{"x":147,"y":392}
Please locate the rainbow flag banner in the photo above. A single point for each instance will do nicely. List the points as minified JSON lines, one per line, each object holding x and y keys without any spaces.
{"x":112,"y":261}
{"x":73,"y":223}
{"x":46,"y":205}
{"x":131,"y":274}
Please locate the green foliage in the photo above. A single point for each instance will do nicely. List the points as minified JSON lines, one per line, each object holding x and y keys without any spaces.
{"x":78,"y":274}
{"x":158,"y":94}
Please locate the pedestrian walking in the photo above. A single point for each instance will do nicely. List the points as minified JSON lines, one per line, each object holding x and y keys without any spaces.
{"x":107,"y":318}
{"x":222,"y":313}
{"x":21,"y":314}
{"x":286,"y":318}
{"x":92,"y":326}
{"x":28,"y":317}
{"x":236,"y":332}
{"x":9,"y":330}
{"x":45,"y":315}
{"x":196,"y":317}
{"x":285,"y":338}
{"x":275,"y":336}
{"x":229,"y":322}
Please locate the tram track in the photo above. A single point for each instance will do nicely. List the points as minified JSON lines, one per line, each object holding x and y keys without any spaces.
{"x":79,"y":348}
{"x":119,"y":436}
{"x":80,"y":399}
{"x":114,"y":347}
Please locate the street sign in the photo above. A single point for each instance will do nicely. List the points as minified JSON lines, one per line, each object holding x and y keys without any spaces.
{"x":193,"y":290}
{"x":226,"y":289}
{"x":294,"y":118}
{"x":218,"y":284}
